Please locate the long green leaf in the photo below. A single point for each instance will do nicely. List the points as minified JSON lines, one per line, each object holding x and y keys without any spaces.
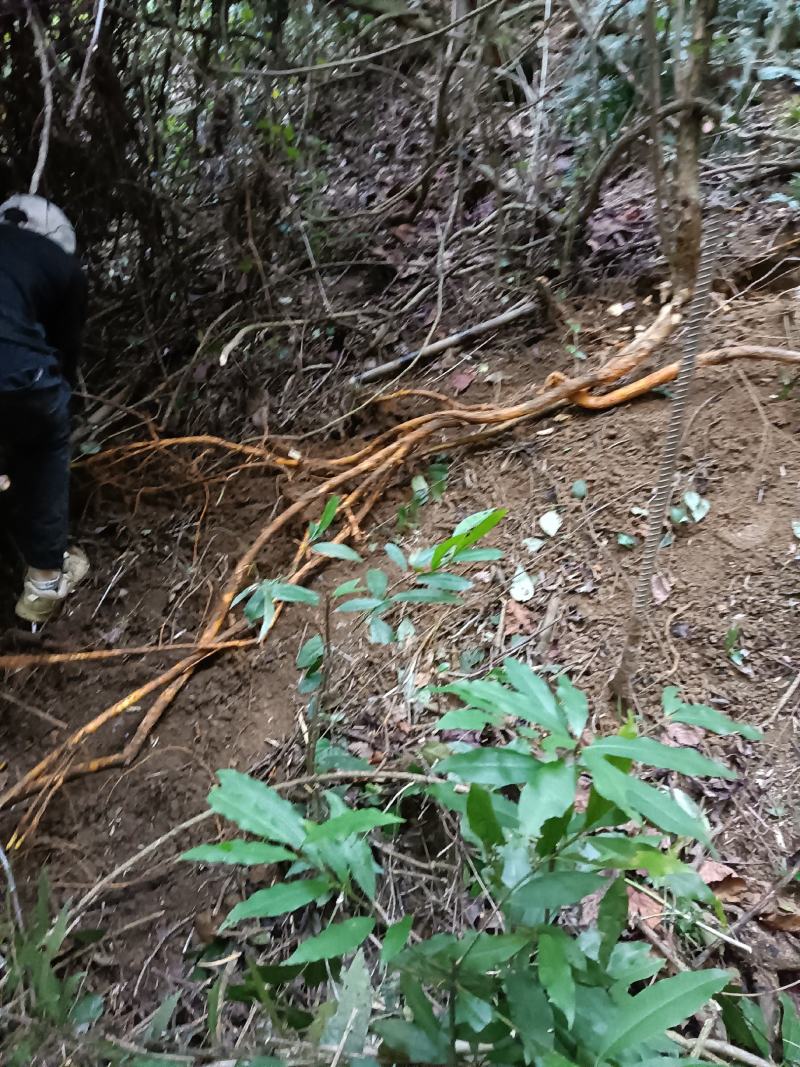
{"x":472,"y":522}
{"x":351,"y":822}
{"x":492,"y":696}
{"x":333,"y":550}
{"x":256,"y":808}
{"x":556,"y":890}
{"x":574,"y":705}
{"x":295,"y":594}
{"x":396,"y":555}
{"x":661,"y":1006}
{"x":453,"y":583}
{"x":162,"y":1016}
{"x":548,"y":794}
{"x":353,"y":585}
{"x":348,"y":1027}
{"x":311,"y":652}
{"x":790,"y":1030}
{"x":279,"y":899}
{"x":474,"y":953}
{"x":612,"y":918}
{"x":317,"y":529}
{"x":363,"y":603}
{"x":642,"y":801}
{"x":490,"y":766}
{"x":704,"y":717}
{"x":530,"y":1011}
{"x":467,"y":719}
{"x":530,"y":685}
{"x":245,"y":853}
{"x":654,"y":754}
{"x":482,"y":818}
{"x":336,"y":940}
{"x":395,"y":938}
{"x":425,"y":596}
{"x":377,"y":582}
{"x":555,"y":972}
{"x":484,"y":952}
{"x":380,"y":632}
{"x":467,"y":533}
{"x":87,"y":1010}
{"x":477,"y":555}
{"x":412,"y":1043}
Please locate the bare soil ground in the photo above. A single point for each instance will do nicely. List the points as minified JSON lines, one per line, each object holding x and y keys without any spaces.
{"x":155,"y":573}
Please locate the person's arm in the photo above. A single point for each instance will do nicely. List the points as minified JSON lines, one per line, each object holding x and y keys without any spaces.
{"x":67,"y":325}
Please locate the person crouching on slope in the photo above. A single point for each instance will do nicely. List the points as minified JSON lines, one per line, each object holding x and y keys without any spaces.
{"x":42,"y":312}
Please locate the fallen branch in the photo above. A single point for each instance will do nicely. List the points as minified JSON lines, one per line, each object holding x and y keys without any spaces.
{"x":721,"y":1048}
{"x":455,"y":340}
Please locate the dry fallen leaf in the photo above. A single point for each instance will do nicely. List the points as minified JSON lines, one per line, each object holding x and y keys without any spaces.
{"x":461,"y":380}
{"x":787,"y":922}
{"x":661,"y":587}
{"x":731,"y":890}
{"x":640,"y":906}
{"x":678,"y":735}
{"x":404,"y":232}
{"x":590,"y":909}
{"x":711,"y":871}
{"x":519,"y":619}
{"x":206,"y":926}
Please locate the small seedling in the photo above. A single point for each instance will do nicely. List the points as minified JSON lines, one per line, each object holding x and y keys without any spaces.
{"x":572,"y":348}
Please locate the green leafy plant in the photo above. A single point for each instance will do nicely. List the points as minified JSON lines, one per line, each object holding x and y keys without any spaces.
{"x":427,"y":581}
{"x":34,"y":987}
{"x":424,"y":490}
{"x":692,"y":509}
{"x":423,"y":577}
{"x":573,"y":348}
{"x":734,"y":649}
{"x":551,"y":819}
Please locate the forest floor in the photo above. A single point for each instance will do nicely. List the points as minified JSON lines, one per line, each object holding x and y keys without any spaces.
{"x":725,"y":629}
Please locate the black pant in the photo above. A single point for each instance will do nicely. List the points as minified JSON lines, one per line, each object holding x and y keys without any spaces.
{"x":35,"y":431}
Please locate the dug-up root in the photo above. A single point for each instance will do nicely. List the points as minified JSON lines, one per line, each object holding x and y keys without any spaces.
{"x":364,"y":475}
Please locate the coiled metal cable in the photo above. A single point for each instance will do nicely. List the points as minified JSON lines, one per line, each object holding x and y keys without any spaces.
{"x":674,"y":436}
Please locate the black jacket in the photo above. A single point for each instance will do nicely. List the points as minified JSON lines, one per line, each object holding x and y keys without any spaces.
{"x":42,"y":311}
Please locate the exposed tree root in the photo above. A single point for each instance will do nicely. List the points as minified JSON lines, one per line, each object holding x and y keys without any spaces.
{"x":714,"y":357}
{"x":15,"y":662}
{"x":370,"y":469}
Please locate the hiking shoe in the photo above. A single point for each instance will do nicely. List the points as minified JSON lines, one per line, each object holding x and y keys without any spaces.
{"x":76,"y":566}
{"x":40,"y":600}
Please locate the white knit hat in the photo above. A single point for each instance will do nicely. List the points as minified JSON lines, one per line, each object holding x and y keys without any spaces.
{"x":38,"y":215}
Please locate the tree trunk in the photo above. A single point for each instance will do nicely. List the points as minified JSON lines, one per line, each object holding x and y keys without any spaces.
{"x":691,"y":64}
